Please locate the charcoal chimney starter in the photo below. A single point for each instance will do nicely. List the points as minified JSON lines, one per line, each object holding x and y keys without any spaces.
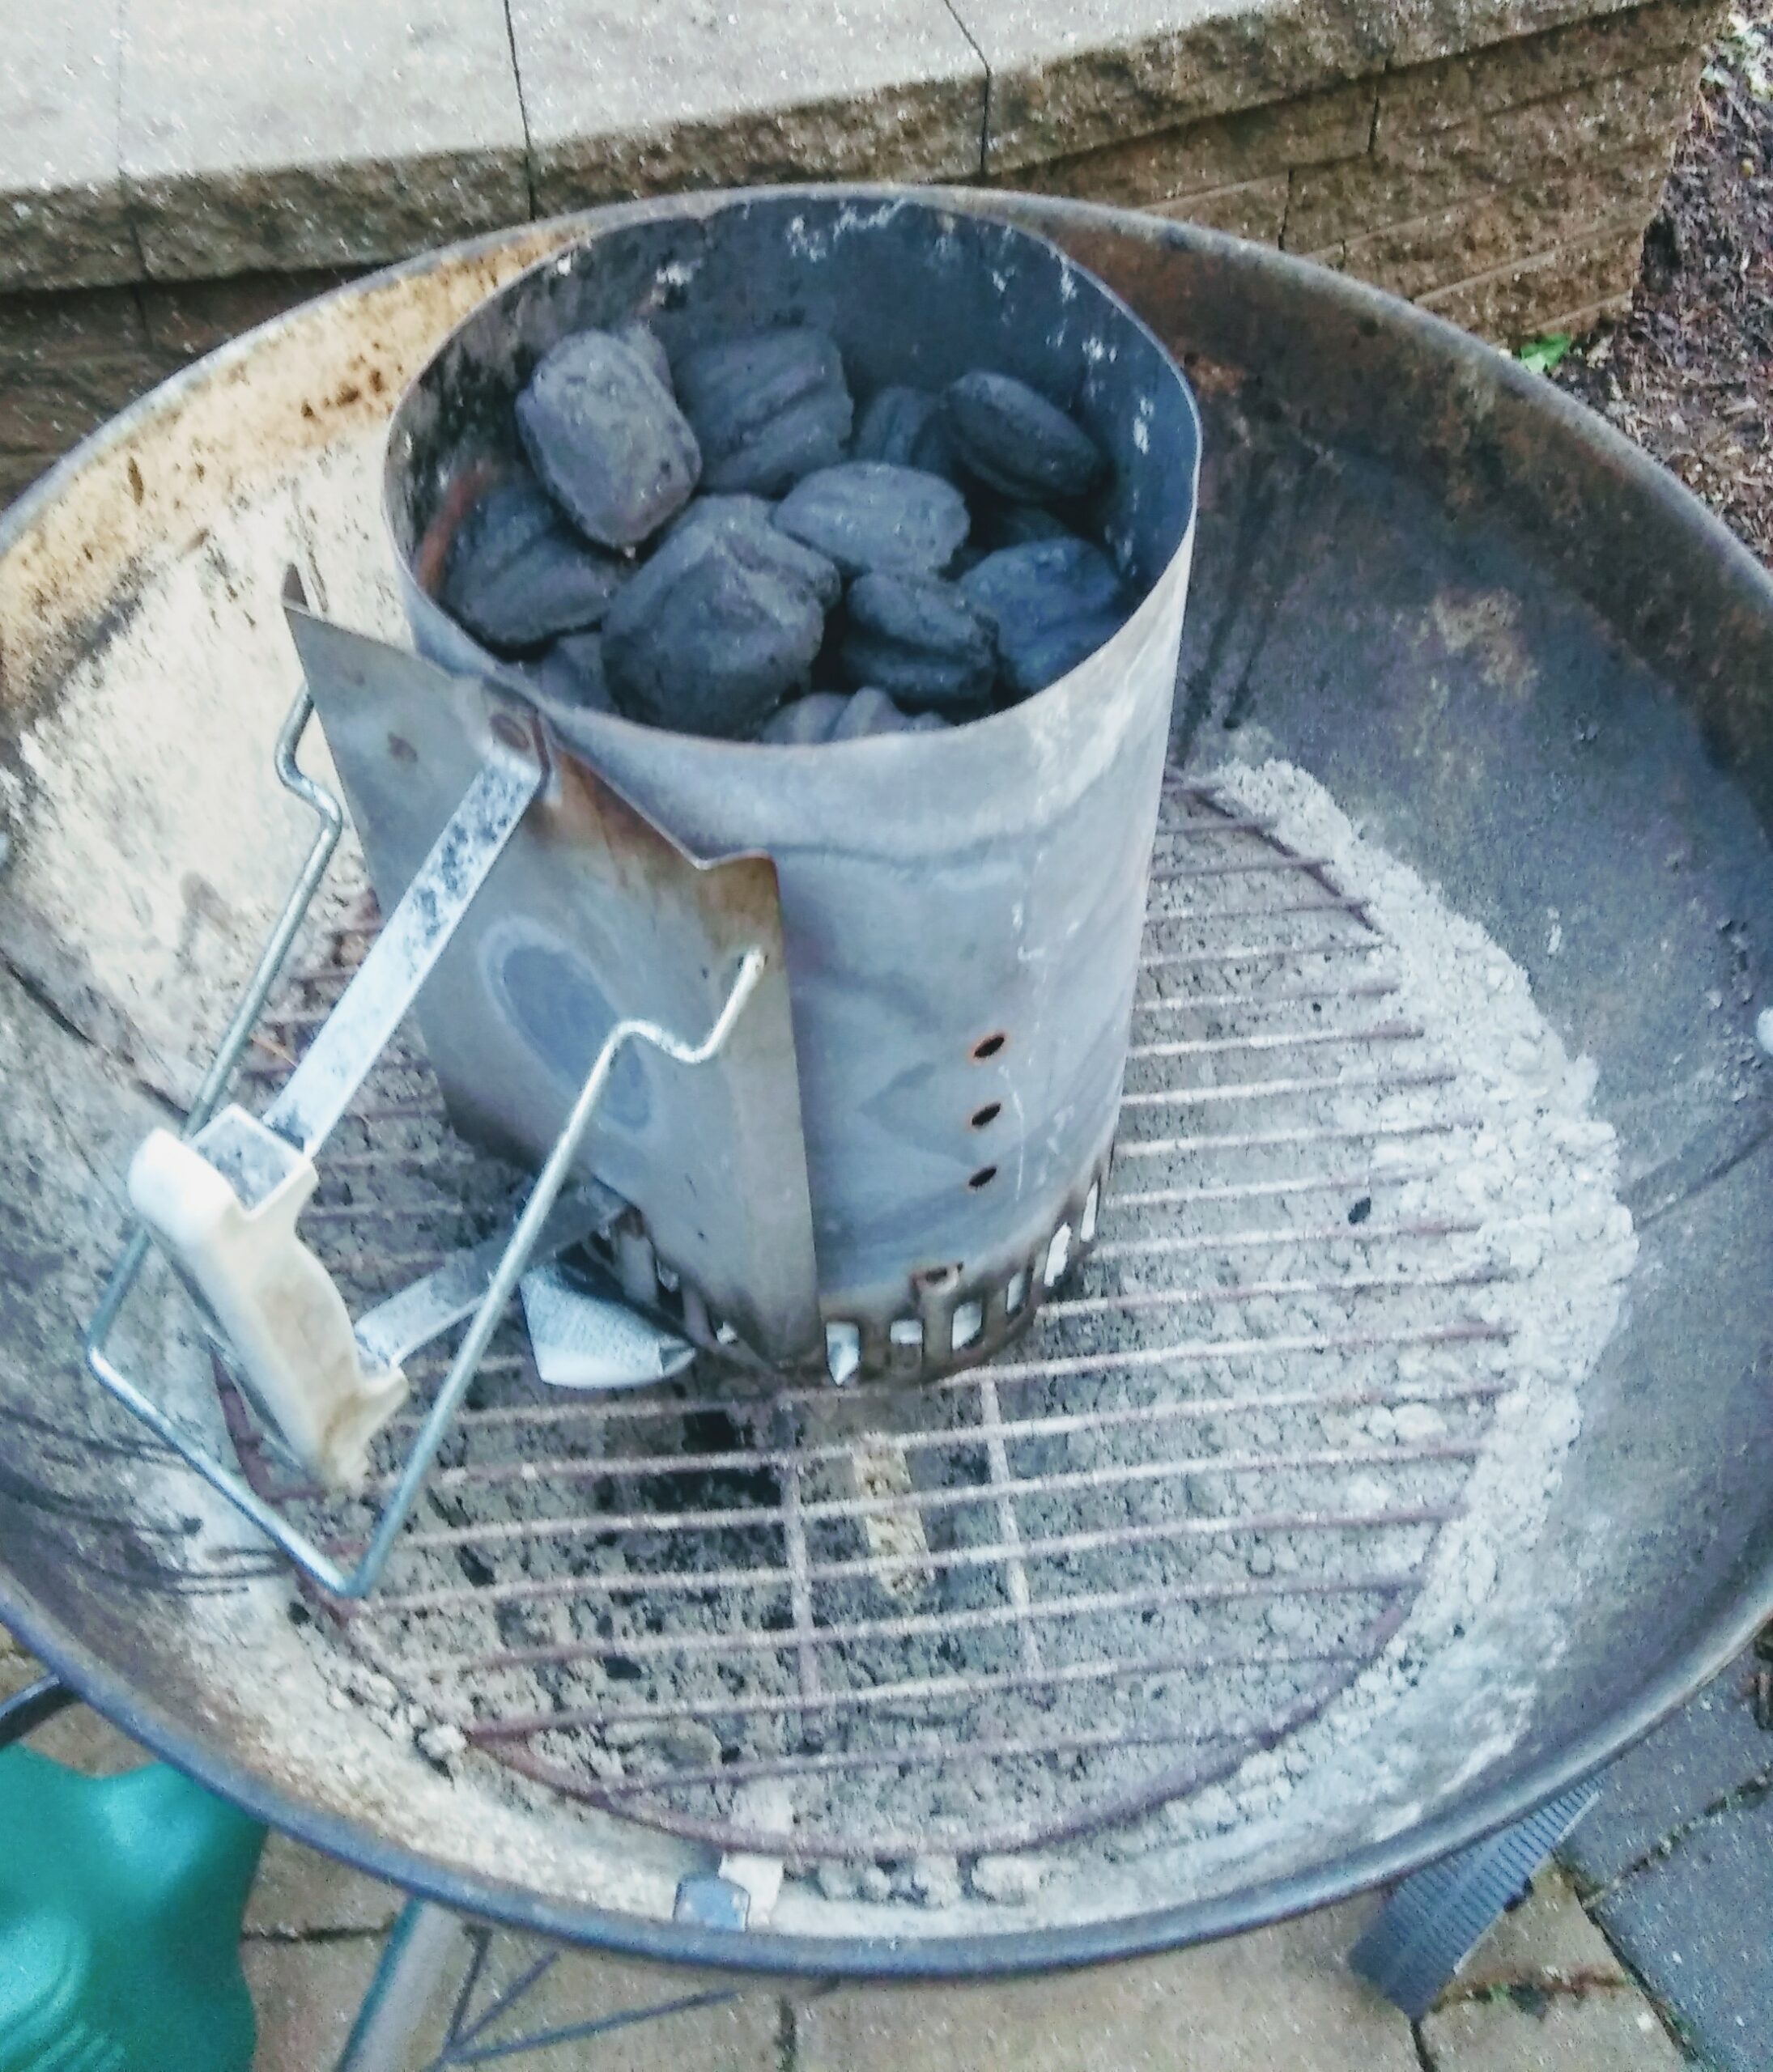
{"x":960,"y":911}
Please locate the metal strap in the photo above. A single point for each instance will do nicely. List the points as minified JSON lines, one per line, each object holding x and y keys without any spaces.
{"x":375,"y":1002}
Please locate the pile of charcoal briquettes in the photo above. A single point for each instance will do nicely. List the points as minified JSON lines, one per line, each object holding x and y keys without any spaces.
{"x":725,"y":546}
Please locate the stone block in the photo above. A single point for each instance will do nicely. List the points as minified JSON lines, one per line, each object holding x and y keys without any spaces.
{"x":1412,"y":173}
{"x":41,"y":329}
{"x":1226,"y":151}
{"x":1474,"y":237}
{"x":63,"y":222}
{"x":1533,"y":295}
{"x":1609,"y":2029}
{"x":1532,"y":68}
{"x":1694,"y":1925}
{"x":306,"y":1996}
{"x":299,"y":1892}
{"x":1282,"y":1997}
{"x":190,"y":318}
{"x":750,"y":2032}
{"x":321,"y":133}
{"x":620,"y":102}
{"x":46,"y":409}
{"x":1255,"y":208}
{"x":1711,"y":1749}
{"x":1547,"y":1941}
{"x":1071,"y":75}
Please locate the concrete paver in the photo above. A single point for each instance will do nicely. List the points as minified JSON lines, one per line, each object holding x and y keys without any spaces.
{"x":623,"y":101}
{"x":1710,"y":1748}
{"x":63,"y":220}
{"x":1697,"y":1926}
{"x":301,"y":1893}
{"x":1283,"y":1996}
{"x":750,"y":2032}
{"x":1546,"y":1940}
{"x":1607,"y":2029}
{"x":328,"y":132}
{"x":306,"y":1996}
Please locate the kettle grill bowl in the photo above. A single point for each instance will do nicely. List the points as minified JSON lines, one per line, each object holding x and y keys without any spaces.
{"x":1533,"y":666}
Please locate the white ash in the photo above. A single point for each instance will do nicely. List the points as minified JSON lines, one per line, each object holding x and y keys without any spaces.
{"x":1528,"y":1165}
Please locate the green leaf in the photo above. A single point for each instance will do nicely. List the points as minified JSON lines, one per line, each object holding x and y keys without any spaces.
{"x":1542,"y":354}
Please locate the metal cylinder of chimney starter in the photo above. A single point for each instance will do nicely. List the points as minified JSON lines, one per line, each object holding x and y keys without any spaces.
{"x":962,"y":909}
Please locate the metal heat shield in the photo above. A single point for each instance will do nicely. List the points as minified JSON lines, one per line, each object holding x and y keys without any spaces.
{"x":591,"y":913}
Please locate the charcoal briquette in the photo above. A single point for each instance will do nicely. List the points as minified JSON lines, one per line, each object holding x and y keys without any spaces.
{"x":891,"y":422}
{"x":1010,"y":437}
{"x":517,"y":575}
{"x":572,"y":673}
{"x":919,"y":640}
{"x":767,"y":409}
{"x":872,"y":515}
{"x":607,"y":438}
{"x":707,"y":641}
{"x":1052,"y":602}
{"x":749,"y":522}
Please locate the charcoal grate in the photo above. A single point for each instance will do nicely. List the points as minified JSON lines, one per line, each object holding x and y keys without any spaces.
{"x":1026,"y":1601}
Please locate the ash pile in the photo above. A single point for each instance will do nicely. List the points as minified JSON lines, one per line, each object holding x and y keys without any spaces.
{"x":735,"y":546}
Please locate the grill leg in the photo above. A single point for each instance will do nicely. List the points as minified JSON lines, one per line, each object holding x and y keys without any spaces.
{"x":417,"y":1951}
{"x":1434,"y":1920}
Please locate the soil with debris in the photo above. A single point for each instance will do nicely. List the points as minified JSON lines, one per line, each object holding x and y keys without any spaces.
{"x":1688,"y":372}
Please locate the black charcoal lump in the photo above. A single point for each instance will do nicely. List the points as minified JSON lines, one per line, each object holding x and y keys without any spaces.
{"x":892,"y":424}
{"x":872,"y":515}
{"x":605,"y":433}
{"x":751,"y":521}
{"x":767,"y":409}
{"x":1011,"y":438}
{"x":919,"y":640}
{"x":710,"y":636}
{"x":1051,"y":602}
{"x":517,"y":575}
{"x":572,"y":673}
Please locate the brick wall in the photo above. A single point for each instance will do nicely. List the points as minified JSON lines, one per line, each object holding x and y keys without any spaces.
{"x":1507,"y":188}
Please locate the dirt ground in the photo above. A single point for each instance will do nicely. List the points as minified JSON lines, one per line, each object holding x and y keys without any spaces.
{"x":1688,"y":373}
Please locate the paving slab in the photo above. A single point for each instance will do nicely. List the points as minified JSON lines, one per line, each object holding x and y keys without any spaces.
{"x":62,"y":219}
{"x":1546,"y":1940}
{"x":751,"y":2031}
{"x":1709,"y":1749}
{"x":316,"y":133}
{"x":1608,"y":2029}
{"x":306,"y":1996}
{"x":1281,"y":1997}
{"x":625,"y":100}
{"x":1068,"y":75}
{"x":1696,"y":1925}
{"x":299,"y":1892}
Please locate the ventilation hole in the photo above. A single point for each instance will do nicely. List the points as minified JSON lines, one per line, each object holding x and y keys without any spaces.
{"x":985,"y":1117}
{"x":1017,"y":1293}
{"x":969,"y":1321}
{"x":907,"y":1333}
{"x":669,"y":1279}
{"x":988,"y":1047}
{"x":1361,"y":1209}
{"x":1058,"y":1255}
{"x":1086,"y":1227}
{"x":936,"y":1276}
{"x":982,"y":1178}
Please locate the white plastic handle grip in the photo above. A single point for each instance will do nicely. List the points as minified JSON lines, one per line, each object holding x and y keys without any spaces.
{"x":277,"y":1309}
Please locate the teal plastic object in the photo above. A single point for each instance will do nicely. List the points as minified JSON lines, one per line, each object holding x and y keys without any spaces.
{"x":121,"y":1900}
